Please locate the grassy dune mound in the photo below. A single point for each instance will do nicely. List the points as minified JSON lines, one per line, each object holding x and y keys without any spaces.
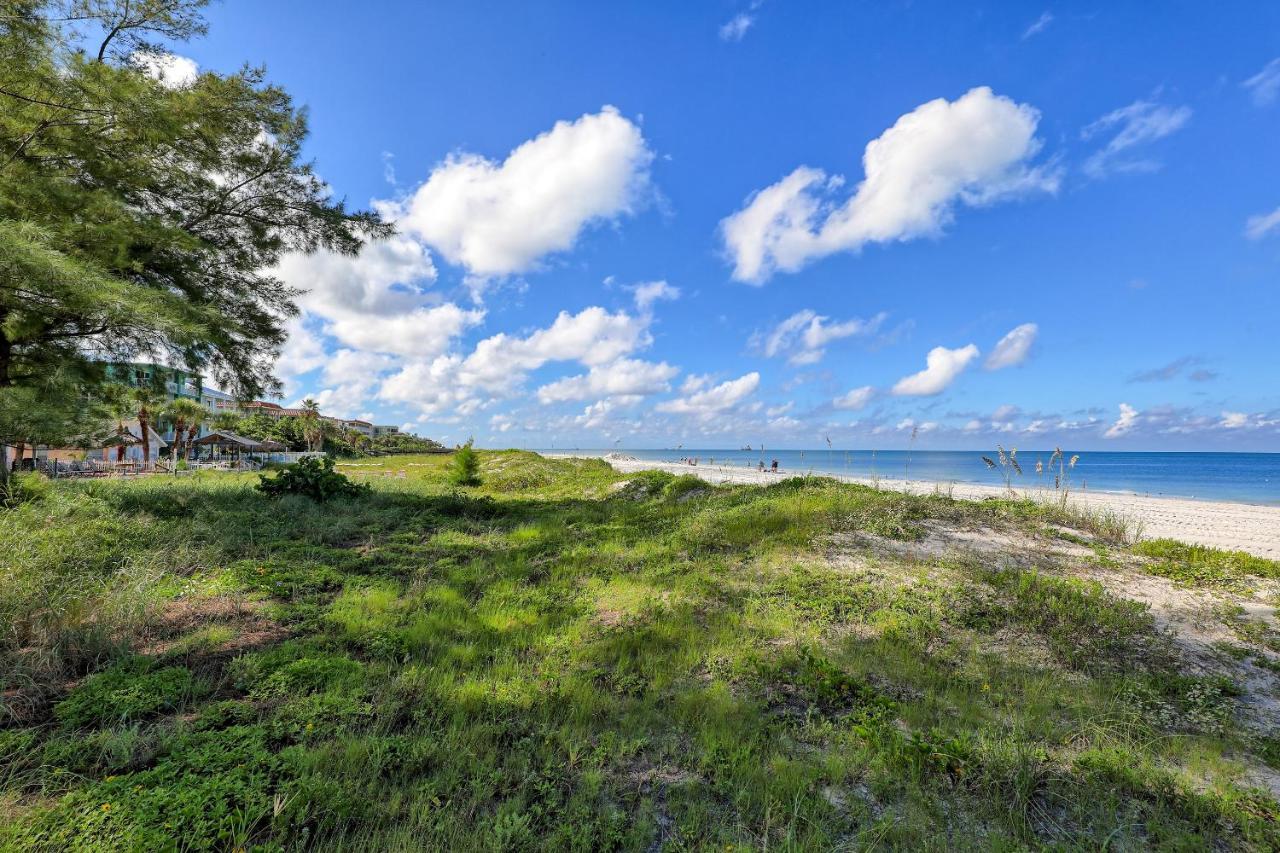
{"x":565,"y":658}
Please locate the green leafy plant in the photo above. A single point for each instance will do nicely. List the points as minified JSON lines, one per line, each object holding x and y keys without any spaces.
{"x":465,"y":469}
{"x":312,"y":477}
{"x":132,"y":689}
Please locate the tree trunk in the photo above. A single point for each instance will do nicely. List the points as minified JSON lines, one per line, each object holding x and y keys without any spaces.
{"x":6,"y":354}
{"x":192,"y":432}
{"x":179,"y":424}
{"x":144,"y":427}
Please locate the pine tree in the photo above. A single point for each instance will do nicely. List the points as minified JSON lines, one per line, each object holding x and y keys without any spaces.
{"x":140,"y":217}
{"x":465,"y":470}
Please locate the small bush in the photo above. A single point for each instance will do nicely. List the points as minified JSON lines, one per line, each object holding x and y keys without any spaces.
{"x":24,"y":487}
{"x":645,"y":484}
{"x":311,"y":477}
{"x":686,"y":486}
{"x":465,"y":468}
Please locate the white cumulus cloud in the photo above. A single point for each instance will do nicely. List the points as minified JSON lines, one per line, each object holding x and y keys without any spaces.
{"x":501,"y":218}
{"x":303,"y":350}
{"x":423,"y":332}
{"x":715,"y":400}
{"x":942,"y":366}
{"x":1234,"y":420}
{"x":1123,"y":424}
{"x":650,"y":292}
{"x":377,"y":300}
{"x":434,"y":387}
{"x":972,"y":151}
{"x":592,"y":337}
{"x":855,"y":399}
{"x":364,"y":283}
{"x":1013,"y":348}
{"x":624,"y":377}
{"x":460,"y":385}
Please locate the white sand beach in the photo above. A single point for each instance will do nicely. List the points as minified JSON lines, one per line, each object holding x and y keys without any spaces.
{"x":1220,"y":524}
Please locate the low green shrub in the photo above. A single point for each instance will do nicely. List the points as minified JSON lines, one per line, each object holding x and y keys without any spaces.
{"x":312,"y":477}
{"x":685,"y":486}
{"x":464,"y":470}
{"x":646,"y":484}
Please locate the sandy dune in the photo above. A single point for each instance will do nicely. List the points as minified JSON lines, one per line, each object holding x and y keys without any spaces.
{"x":1235,"y":526}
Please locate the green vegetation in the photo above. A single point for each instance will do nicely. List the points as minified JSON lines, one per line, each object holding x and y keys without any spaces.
{"x":289,"y":431}
{"x":186,"y":416}
{"x":465,"y":467}
{"x":564,"y":658}
{"x":310,"y":477}
{"x":1195,"y":565}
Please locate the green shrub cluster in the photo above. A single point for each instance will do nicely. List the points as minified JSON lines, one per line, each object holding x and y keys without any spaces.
{"x":311,"y":477}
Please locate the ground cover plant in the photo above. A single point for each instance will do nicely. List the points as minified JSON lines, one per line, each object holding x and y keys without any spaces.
{"x":565,"y":658}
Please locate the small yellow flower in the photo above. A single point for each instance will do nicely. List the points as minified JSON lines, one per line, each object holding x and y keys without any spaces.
{"x":986,"y":686}
{"x":106,"y":807}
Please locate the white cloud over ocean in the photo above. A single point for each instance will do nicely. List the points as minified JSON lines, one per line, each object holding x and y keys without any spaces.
{"x":973,"y":151}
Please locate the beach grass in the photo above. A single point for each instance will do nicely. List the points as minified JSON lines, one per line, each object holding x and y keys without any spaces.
{"x":1197,"y":566}
{"x":566,"y":658}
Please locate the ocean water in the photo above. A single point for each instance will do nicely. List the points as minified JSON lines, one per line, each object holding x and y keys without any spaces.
{"x":1244,"y":477}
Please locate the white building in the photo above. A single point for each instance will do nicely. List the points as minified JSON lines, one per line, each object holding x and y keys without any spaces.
{"x":356,"y":425}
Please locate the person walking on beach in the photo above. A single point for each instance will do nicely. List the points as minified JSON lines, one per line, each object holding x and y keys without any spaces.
{"x":774,"y":466}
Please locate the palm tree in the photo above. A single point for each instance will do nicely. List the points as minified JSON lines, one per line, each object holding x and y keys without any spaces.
{"x":197,"y":420}
{"x":144,"y":398}
{"x":312,"y":430}
{"x":226,"y":421}
{"x":184,"y":413}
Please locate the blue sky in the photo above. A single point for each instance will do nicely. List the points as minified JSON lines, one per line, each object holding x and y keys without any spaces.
{"x":732,"y":222}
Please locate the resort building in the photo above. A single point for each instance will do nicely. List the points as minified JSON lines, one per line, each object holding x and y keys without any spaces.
{"x":220,"y":401}
{"x":383,"y":429}
{"x":175,"y":382}
{"x":356,"y":425}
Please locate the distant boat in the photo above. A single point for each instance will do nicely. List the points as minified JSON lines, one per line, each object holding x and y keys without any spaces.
{"x":747,"y":448}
